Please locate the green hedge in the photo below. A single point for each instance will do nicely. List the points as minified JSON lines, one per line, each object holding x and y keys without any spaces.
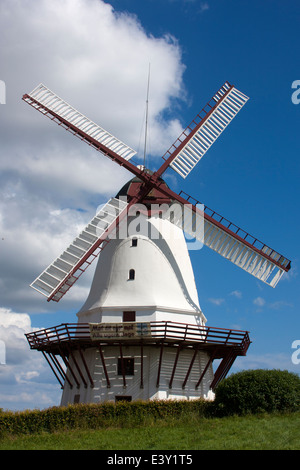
{"x":258,"y":391}
{"x":251,"y":391}
{"x":94,"y":416}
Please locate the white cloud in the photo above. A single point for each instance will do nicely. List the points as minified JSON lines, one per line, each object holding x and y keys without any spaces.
{"x":217,"y":302}
{"x":25,"y":378}
{"x":97,"y":60}
{"x":50,"y":183}
{"x":204,"y":6}
{"x":292,"y":273}
{"x":267,"y":361}
{"x":236,"y":293}
{"x":276,"y":305}
{"x":30,"y":238}
{"x":10,"y":319}
{"x":259,"y":301}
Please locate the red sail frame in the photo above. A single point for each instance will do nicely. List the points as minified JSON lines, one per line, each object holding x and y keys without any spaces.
{"x":150,"y":181}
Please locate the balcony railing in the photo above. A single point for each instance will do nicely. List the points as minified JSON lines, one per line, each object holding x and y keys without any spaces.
{"x":59,"y":343}
{"x":168,"y":331}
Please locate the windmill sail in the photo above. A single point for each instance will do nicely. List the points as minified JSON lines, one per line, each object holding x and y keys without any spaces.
{"x":204,"y":130}
{"x":48,"y":103}
{"x":216,"y":232}
{"x":59,"y":276}
{"x":227,"y":239}
{"x":265,"y":264}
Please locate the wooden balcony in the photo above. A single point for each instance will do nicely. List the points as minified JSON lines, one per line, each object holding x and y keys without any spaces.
{"x":63,"y":340}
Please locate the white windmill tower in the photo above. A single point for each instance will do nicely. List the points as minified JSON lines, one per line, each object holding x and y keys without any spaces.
{"x":141,"y":333}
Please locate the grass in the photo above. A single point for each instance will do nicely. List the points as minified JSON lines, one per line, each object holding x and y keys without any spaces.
{"x":253,"y":432}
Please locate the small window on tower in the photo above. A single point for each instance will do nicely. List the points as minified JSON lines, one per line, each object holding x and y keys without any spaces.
{"x":134,"y":241}
{"x":131,"y":274}
{"x":128,"y":316}
{"x":123,"y":397}
{"x":128,"y":365}
{"x":76,"y":399}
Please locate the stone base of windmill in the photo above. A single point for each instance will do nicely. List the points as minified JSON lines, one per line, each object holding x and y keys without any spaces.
{"x":141,"y":373}
{"x":98,"y":362}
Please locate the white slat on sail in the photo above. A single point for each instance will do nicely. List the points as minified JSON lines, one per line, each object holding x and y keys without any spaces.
{"x":210,"y":130}
{"x":229,"y":246}
{"x":56,"y":275}
{"x":47,"y":100}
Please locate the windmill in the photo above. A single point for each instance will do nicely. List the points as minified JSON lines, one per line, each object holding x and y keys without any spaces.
{"x":132,"y":340}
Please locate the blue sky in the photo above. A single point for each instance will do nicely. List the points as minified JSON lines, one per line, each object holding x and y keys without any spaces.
{"x":52,"y":185}
{"x":251,"y":174}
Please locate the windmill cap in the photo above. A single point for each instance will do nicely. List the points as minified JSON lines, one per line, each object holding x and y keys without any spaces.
{"x":125,"y":190}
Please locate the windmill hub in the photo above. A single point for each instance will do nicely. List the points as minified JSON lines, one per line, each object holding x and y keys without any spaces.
{"x":150,"y":195}
{"x":141,"y":333}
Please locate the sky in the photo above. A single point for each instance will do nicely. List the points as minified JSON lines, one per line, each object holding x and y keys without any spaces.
{"x":96,"y":56}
